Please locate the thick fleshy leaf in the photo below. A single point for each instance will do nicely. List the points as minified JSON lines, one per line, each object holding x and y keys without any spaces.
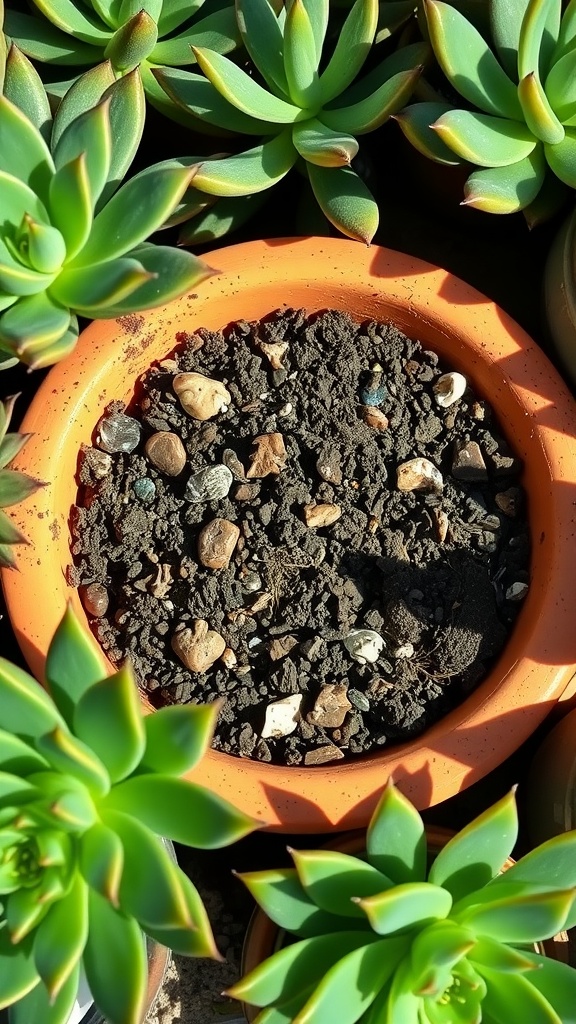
{"x":540,"y":117}
{"x":73,"y":663}
{"x":175,"y":12}
{"x":300,"y":60}
{"x":333,"y":880}
{"x":23,"y":87}
{"x":181,"y":811}
{"x":60,"y":938}
{"x":196,"y":94}
{"x":436,"y":949}
{"x":14,"y":790}
{"x":108,"y":718}
{"x":18,"y":200}
{"x":177,"y":737}
{"x":133,"y":42}
{"x":37,"y":1005}
{"x":10,"y":446}
{"x":477,"y":853}
{"x":415,"y":121}
{"x":19,"y":280}
{"x":406,"y":907}
{"x":296,"y":967}
{"x":514,"y":996}
{"x":539,"y":16}
{"x":71,"y":203}
{"x":557,"y":983}
{"x":262,"y":37}
{"x":284,"y":900}
{"x":218,"y":32}
{"x":461,"y":51}
{"x":243,"y":92}
{"x":9,"y":534}
{"x":115,"y":962}
{"x":89,"y":133}
{"x":567,"y":33}
{"x":320,"y":145}
{"x":215,"y":221}
{"x":127,"y":112}
{"x":345,"y":201}
{"x":500,"y":957}
{"x":551,"y":199}
{"x":406,"y":58}
{"x":86,"y":92}
{"x":24,"y":911}
{"x":92,"y":290}
{"x":56,"y":350}
{"x":18,"y":974}
{"x":42,"y":41}
{"x":506,"y":189}
{"x":151,"y":888}
{"x":15,"y":486}
{"x":46,"y":246}
{"x":101,"y":861}
{"x":23,"y":152}
{"x":396,"y":839}
{"x":252,"y":171}
{"x":77,"y":21}
{"x":552,"y":864}
{"x":369,"y":113}
{"x":505,"y":24}
{"x":69,"y":755}
{"x":402,"y":1005}
{"x":18,"y":757}
{"x":520,"y":919}
{"x":65,"y":802}
{"x":485,"y":140}
{"x":562,"y":158}
{"x":560,"y":88}
{"x":26,"y":707}
{"x":351,"y":50}
{"x":318,"y":12}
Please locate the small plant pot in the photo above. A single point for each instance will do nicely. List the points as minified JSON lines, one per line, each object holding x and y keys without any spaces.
{"x":535,"y":411}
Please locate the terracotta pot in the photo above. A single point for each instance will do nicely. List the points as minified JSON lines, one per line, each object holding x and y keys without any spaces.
{"x":560,"y":295}
{"x":535,"y":410}
{"x":551,"y":784}
{"x":263,"y":937}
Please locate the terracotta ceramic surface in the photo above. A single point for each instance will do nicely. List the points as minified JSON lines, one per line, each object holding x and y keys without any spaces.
{"x":474,"y":336}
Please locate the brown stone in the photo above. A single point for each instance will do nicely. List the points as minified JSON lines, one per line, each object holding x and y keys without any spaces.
{"x":200,"y":396}
{"x":509,"y":501}
{"x":199,"y":647}
{"x":274,"y":352}
{"x":419,"y":475}
{"x":317,"y":515}
{"x":269,"y":457}
{"x":281,"y":646}
{"x":330,"y":707}
{"x":328,"y":752}
{"x":441,"y":522}
{"x":166,"y":451}
{"x":229,"y":658}
{"x":374,"y":417}
{"x":468,"y":462}
{"x":216,"y":543}
{"x":95,"y":599}
{"x":328,"y":467}
{"x":246,"y":492}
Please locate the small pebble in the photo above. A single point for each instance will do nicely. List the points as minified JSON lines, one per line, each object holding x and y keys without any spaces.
{"x":246,"y":492}
{"x":145,"y":489}
{"x":216,"y":543}
{"x":323,"y":754}
{"x":99,"y":463}
{"x":317,"y":515}
{"x":441,"y":523}
{"x":374,"y":417}
{"x":517,"y":592}
{"x":372,"y":391}
{"x":209,"y":484}
{"x":200,"y":396}
{"x":403,"y":651}
{"x":328,"y":467}
{"x":419,"y":475}
{"x":330,"y":707}
{"x":449,"y":388}
{"x":281,"y":646}
{"x":229,"y":658}
{"x":358,"y":699}
{"x":509,"y":501}
{"x":118,"y":433}
{"x":364,"y":645}
{"x":231,"y":460}
{"x":251,"y":582}
{"x":95,"y":599}
{"x":270,"y":456}
{"x":468,"y":462}
{"x":166,"y":451}
{"x":281,"y":717}
{"x":274,"y":351}
{"x":199,"y":647}
{"x":286,"y":409}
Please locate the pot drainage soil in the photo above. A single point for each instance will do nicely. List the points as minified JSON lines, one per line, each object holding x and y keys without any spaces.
{"x":310,"y":520}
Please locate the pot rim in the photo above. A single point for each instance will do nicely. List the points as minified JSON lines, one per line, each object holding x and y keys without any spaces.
{"x":535,"y":410}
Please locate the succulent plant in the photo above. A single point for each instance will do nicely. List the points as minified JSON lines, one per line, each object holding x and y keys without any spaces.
{"x":387,"y":938}
{"x":522,"y":130}
{"x":303,"y":113}
{"x":129,"y":33}
{"x":69,"y":242}
{"x":88,"y":784}
{"x":14,"y":486}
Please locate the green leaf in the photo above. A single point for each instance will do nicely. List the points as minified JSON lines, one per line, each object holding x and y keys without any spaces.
{"x":262,"y":37}
{"x":552,"y":864}
{"x":284,"y":900}
{"x":56,"y":350}
{"x":551,"y":199}
{"x":175,"y":12}
{"x":483,"y":139}
{"x":520,"y":919}
{"x":436,"y":949}
{"x":345,"y":201}
{"x":37,"y":1005}
{"x":92,"y":290}
{"x":23,"y":87}
{"x":506,"y":189}
{"x":17,"y":757}
{"x":69,"y":755}
{"x":196,"y":94}
{"x":538,"y":16}
{"x":243,"y":92}
{"x":60,"y":938}
{"x":138,"y":209}
{"x":127,"y":112}
{"x":505,"y":24}
{"x":318,"y":12}
{"x":177,"y":737}
{"x":407,"y":906}
{"x":557,"y":983}
{"x":499,"y":957}
{"x":65,"y":802}
{"x":333,"y":880}
{"x":108,"y":718}
{"x":32,"y":325}
{"x":19,"y":280}
{"x":133,"y":42}
{"x":462,"y":52}
{"x":10,"y":446}
{"x":17,"y":200}
{"x":296,"y":967}
{"x":196,"y":941}
{"x":9,"y":534}
{"x":73,"y":664}
{"x":478,"y":852}
{"x":46,"y":246}
{"x":300,"y":60}
{"x":115,"y":963}
{"x":101,"y":861}
{"x":567,"y":33}
{"x":351,"y":50}
{"x":24,"y":911}
{"x":540,"y":117}
{"x":65,"y":15}
{"x":86,"y":92}
{"x":562,"y":159}
{"x":14,"y":790}
{"x":402,"y":1006}
{"x":218,"y":32}
{"x":15,"y":486}
{"x":514,"y":996}
{"x":252,"y":171}
{"x":172,"y":272}
{"x":181,"y":811}
{"x":369,"y":113}
{"x":89,"y":133}
{"x":415,"y":121}
{"x":226,"y":216}
{"x":396,"y":839}
{"x":18,"y":974}
{"x":26,"y":707}
{"x":560,"y":88}
{"x":71,"y":203}
{"x":43,"y":42}
{"x":320,"y":145}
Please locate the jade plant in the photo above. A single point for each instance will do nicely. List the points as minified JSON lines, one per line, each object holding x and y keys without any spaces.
{"x":309,"y":108}
{"x":71,"y":241}
{"x":88,"y":784}
{"x":130,"y":34}
{"x":14,"y":486}
{"x":521,"y":130}
{"x":400,"y":936}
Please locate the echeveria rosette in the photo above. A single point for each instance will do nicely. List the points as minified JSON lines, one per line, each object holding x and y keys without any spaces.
{"x":387,"y":937}
{"x":72,"y":242}
{"x":304,"y":114}
{"x":129,"y":33}
{"x":88,"y":783}
{"x":522,"y":133}
{"x":14,"y":486}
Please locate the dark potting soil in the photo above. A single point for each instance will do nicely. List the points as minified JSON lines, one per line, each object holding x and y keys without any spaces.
{"x":438,"y":574}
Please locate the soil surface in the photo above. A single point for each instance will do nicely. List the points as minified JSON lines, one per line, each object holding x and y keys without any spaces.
{"x":438,"y":574}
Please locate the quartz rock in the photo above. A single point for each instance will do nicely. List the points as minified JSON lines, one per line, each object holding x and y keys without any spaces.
{"x":330,"y":707}
{"x":269,"y":457}
{"x":321,"y":514}
{"x":321,"y":755}
{"x":449,"y":388}
{"x":364,"y":645}
{"x":468,"y":462}
{"x":118,"y":433}
{"x":209,"y":484}
{"x":281,"y":717}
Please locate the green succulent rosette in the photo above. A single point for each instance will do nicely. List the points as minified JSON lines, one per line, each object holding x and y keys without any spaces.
{"x":88,"y":784}
{"x":307,"y":116}
{"x":390,"y":938}
{"x":520,"y":125}
{"x":14,"y":486}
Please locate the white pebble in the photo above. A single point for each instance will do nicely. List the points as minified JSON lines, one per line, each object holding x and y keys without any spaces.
{"x":404,"y":651}
{"x":282,"y":716}
{"x":419,"y":475}
{"x":364,"y":645}
{"x":449,"y":388}
{"x":517,"y":592}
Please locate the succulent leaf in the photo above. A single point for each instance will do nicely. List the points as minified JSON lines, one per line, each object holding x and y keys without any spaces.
{"x":369,"y":113}
{"x":71,"y":203}
{"x":300,"y":59}
{"x":73,"y":664}
{"x":436,"y":949}
{"x":23,"y":151}
{"x":345,"y":200}
{"x":567,"y":33}
{"x":318,"y":12}
{"x":540,"y":16}
{"x":520,"y":919}
{"x":101,"y":861}
{"x":553,"y":863}
{"x":415,"y":122}
{"x":86,"y":92}
{"x":115,"y":962}
{"x":484,"y":140}
{"x":262,"y":36}
{"x":214,"y":221}
{"x":92,"y":292}
{"x":334,"y":880}
{"x":562,"y":158}
{"x":43,"y":42}
{"x":107,"y":717}
{"x":507,"y":189}
{"x":396,"y":840}
{"x":66,"y":16}
{"x":500,"y":957}
{"x":90,"y":134}
{"x":218,"y":32}
{"x":132,"y":42}
{"x":61,"y":936}
{"x":284,"y":900}
{"x":18,"y":974}
{"x":540,"y":117}
{"x":515,"y":994}
{"x":557,"y":983}
{"x":175,"y":12}
{"x":243,"y":92}
{"x":409,"y":905}
{"x":68,"y":754}
{"x":38,"y":1006}
{"x":560,"y":88}
{"x":177,"y":737}
{"x":15,"y":487}
{"x":170,"y":273}
{"x":194,"y":92}
{"x":196,"y":941}
{"x":24,"y":911}
{"x":17,"y":757}
{"x":320,"y":145}
{"x":252,"y":171}
{"x":26,"y":708}
{"x":505,"y":24}
{"x":352,"y":49}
